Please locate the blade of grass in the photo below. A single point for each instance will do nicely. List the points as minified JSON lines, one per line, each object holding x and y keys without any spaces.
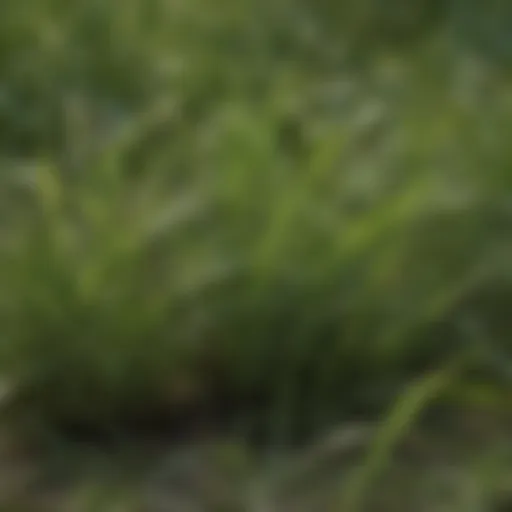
{"x":400,"y":419}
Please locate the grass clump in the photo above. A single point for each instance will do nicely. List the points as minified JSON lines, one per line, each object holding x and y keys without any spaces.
{"x":269,"y":208}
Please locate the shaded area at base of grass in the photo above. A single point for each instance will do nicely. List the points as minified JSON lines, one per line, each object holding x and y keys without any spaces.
{"x":453,"y":464}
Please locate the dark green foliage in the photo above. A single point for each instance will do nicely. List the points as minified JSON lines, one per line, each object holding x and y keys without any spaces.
{"x":284,"y":204}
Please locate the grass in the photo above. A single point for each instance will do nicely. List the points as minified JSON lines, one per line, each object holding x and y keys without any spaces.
{"x":264,"y":219}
